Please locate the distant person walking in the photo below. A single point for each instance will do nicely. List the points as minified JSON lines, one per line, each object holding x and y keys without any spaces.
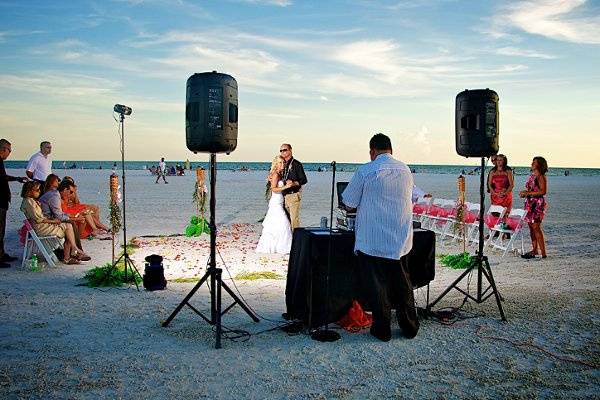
{"x":162,"y":170}
{"x":5,"y":150}
{"x":294,"y":178}
{"x":40,"y":164}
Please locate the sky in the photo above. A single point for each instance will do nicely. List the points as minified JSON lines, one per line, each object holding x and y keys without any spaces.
{"x":322,"y":75}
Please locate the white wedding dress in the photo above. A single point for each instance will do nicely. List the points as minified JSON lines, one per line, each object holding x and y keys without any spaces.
{"x":276,"y":236}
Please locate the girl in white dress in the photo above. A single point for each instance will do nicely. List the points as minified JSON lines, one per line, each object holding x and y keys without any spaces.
{"x":276,"y":235}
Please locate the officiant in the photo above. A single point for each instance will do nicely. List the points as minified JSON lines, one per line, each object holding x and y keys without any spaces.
{"x":381,"y":192}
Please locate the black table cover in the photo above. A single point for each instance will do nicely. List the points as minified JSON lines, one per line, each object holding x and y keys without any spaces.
{"x":306,"y":284}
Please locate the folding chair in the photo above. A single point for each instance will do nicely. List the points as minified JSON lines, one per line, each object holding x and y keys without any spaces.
{"x":493,"y":215}
{"x":513,"y":225}
{"x":420,"y":208}
{"x":444,"y":215}
{"x":470,"y":216}
{"x":44,"y":244}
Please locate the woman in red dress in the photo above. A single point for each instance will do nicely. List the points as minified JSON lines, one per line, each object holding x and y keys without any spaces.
{"x":500,"y":183}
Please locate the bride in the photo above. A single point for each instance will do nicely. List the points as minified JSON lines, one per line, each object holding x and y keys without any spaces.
{"x":276,"y":235}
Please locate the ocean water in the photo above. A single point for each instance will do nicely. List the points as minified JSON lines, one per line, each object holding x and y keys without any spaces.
{"x":264,"y":166}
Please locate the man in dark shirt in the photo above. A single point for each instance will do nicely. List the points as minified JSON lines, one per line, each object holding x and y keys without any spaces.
{"x":5,"y":149}
{"x":293,"y":173}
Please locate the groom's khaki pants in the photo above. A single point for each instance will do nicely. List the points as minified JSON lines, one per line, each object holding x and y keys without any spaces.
{"x":292,"y":206}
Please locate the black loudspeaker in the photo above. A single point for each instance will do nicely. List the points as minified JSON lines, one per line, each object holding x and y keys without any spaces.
{"x":476,"y":121}
{"x":211,"y":113}
{"x":154,"y":273}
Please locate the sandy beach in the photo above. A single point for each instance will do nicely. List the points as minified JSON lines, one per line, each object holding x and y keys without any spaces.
{"x":59,"y":339}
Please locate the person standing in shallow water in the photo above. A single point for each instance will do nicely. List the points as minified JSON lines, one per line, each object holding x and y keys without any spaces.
{"x":535,"y":205}
{"x":294,"y":178}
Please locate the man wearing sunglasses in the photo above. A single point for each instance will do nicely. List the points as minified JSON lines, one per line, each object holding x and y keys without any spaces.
{"x":5,"y":150}
{"x":293,"y":173}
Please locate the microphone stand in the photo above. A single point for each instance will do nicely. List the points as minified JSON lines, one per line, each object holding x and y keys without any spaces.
{"x":327,"y":335}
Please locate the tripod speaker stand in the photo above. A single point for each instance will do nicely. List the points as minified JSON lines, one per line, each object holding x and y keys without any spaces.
{"x":479,"y":262}
{"x":214,"y":274}
{"x":127,"y":262}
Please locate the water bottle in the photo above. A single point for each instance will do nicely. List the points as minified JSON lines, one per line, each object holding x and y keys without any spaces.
{"x":33,"y":263}
{"x":323,"y":222}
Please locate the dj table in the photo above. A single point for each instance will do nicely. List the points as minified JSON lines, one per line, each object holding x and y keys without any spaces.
{"x":305,"y":291}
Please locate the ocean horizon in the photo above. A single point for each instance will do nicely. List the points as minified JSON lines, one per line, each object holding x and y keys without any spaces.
{"x":308,"y":166}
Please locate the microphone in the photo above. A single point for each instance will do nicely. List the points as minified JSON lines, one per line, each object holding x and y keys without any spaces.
{"x":332,"y":164}
{"x":121,"y":109}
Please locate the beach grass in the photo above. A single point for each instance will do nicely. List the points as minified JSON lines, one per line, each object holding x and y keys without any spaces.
{"x":252,"y":276}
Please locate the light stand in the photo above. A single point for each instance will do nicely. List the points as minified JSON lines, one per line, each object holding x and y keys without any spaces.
{"x":214,"y":273}
{"x":478,"y":261}
{"x":127,"y":262}
{"x":327,"y":335}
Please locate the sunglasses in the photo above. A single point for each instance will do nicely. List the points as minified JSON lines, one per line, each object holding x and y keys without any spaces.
{"x":284,"y":150}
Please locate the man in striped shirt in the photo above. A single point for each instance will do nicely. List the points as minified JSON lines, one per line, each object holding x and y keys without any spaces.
{"x":381,"y":192}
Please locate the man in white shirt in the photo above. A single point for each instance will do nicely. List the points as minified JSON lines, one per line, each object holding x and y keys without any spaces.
{"x":40,"y":164}
{"x":162,"y":170}
{"x":381,"y":192}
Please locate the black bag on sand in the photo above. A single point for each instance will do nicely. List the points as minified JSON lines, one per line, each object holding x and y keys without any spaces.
{"x":154,"y":273}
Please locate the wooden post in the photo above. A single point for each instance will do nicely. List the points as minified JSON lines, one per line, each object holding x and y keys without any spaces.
{"x":114,"y":195}
{"x":461,"y":208}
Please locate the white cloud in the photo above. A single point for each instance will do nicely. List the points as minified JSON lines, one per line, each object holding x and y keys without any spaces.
{"x":379,"y":56}
{"x":515,"y":51}
{"x":59,"y":84}
{"x":279,"y":3}
{"x":247,"y":65}
{"x":565,"y":20}
{"x":421,"y":139}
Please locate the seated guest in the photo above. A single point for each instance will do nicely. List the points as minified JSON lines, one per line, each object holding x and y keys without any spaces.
{"x":417,"y":193}
{"x":49,"y":226}
{"x":73,"y":206}
{"x":83,"y":218}
{"x":51,"y":206}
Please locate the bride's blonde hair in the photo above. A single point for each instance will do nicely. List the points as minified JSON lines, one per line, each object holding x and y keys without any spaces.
{"x":274,"y":164}
{"x":271,"y":170}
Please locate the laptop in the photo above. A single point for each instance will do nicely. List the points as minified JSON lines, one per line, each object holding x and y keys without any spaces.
{"x":341,"y":186}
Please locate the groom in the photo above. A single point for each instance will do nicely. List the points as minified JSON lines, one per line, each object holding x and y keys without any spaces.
{"x":293,"y":173}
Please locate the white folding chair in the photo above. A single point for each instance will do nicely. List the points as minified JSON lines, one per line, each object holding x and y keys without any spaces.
{"x":453,"y":228}
{"x":45,"y":245}
{"x":443,"y":217}
{"x":493,"y":214}
{"x":471,"y":219}
{"x":420,"y":208}
{"x":513,"y":226}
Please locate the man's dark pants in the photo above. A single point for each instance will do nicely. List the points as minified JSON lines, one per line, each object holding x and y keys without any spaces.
{"x":2,"y":230}
{"x":387,"y":285}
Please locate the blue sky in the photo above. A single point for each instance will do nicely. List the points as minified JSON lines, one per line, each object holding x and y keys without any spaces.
{"x":322,"y":75}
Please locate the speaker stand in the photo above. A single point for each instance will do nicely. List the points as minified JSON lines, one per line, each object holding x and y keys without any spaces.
{"x":327,"y":335}
{"x":479,"y":262}
{"x":214,"y":273}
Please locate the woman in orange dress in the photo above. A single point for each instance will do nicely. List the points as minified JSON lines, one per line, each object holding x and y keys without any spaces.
{"x":72,"y":206}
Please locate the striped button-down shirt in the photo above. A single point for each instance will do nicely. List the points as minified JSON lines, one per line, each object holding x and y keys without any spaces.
{"x":381,"y":192}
